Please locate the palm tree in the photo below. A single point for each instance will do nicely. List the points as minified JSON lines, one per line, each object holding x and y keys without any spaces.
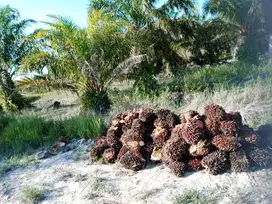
{"x":152,"y":29}
{"x":247,"y":20}
{"x":13,"y":47}
{"x":89,"y":58}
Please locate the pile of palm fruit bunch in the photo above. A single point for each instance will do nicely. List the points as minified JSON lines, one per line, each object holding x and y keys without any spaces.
{"x":216,"y":141}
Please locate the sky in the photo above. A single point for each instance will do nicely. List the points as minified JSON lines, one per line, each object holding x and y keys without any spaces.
{"x":38,"y":9}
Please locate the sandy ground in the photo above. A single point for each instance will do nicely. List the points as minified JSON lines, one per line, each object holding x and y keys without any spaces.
{"x":70,"y":181}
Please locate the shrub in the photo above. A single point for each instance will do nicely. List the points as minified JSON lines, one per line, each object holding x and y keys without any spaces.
{"x":98,"y":102}
{"x":32,"y":195}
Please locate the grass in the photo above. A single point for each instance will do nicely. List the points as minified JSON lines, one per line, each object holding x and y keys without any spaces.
{"x":221,"y":76}
{"x":192,"y":197}
{"x":32,"y":195}
{"x":19,"y":134}
{"x":17,"y":161}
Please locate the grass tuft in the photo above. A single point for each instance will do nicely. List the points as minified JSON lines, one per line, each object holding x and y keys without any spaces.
{"x":191,"y":197}
{"x":32,"y":195}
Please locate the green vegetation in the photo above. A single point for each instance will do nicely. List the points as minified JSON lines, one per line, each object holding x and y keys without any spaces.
{"x":191,"y":197}
{"x":32,"y":195}
{"x":161,"y":49}
{"x":26,"y":133}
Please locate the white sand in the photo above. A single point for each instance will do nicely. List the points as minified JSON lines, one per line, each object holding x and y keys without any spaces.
{"x":69,"y":182}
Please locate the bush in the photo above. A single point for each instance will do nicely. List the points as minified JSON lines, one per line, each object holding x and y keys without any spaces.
{"x":146,"y":85}
{"x":99,"y":102}
{"x":21,"y":134}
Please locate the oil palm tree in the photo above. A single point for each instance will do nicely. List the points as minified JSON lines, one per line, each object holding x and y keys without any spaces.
{"x":13,"y":47}
{"x":89,"y":58}
{"x":247,"y":20}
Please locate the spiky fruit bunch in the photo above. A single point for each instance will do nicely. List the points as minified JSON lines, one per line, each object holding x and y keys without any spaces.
{"x":185,"y":117}
{"x":215,"y":112}
{"x":97,"y":152}
{"x":213,"y":127}
{"x":165,"y":119}
{"x":174,"y":149}
{"x":234,"y":116}
{"x":226,"y":143}
{"x":216,"y":162}
{"x":194,"y":164}
{"x":202,"y":148}
{"x":177,"y":168}
{"x":177,"y":131}
{"x":160,"y":136}
{"x":101,"y":142}
{"x":147,"y":115}
{"x":239,"y":161}
{"x":114,"y":142}
{"x":229,"y":128}
{"x":109,"y":155}
{"x":130,"y":116}
{"x":248,"y":135}
{"x":193,"y":131}
{"x":133,"y":160}
{"x":122,"y":151}
{"x":138,"y":126}
{"x":259,"y":157}
{"x":156,"y":155}
{"x":132,"y":137}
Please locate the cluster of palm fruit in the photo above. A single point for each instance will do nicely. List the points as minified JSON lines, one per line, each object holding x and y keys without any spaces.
{"x":216,"y":141}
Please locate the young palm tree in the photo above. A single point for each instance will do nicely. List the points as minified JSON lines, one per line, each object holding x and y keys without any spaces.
{"x":13,"y":47}
{"x":90,"y":58}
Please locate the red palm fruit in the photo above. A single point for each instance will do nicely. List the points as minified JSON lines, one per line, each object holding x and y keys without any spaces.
{"x":131,"y":136}
{"x":213,"y":127}
{"x":202,"y":148}
{"x":160,"y":136}
{"x":193,"y":131}
{"x":234,"y":116}
{"x":177,"y":131}
{"x":177,"y":168}
{"x":229,"y":128}
{"x":216,"y":162}
{"x":133,"y":160}
{"x":239,"y":161}
{"x":122,"y":151}
{"x":138,"y":126}
{"x":215,"y":112}
{"x":147,"y":115}
{"x":226,"y":143}
{"x":96,"y":153}
{"x":185,"y":117}
{"x":174,"y":150}
{"x":248,"y":136}
{"x":101,"y":142}
{"x":194,"y":164}
{"x":165,"y":119}
{"x":109,"y":155}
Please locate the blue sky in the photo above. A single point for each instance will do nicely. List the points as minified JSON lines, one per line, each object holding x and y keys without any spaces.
{"x":38,"y":9}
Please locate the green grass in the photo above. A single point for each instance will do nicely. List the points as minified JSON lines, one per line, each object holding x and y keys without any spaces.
{"x":223,"y":76}
{"x":28,"y":133}
{"x":32,"y":195}
{"x":192,"y":197}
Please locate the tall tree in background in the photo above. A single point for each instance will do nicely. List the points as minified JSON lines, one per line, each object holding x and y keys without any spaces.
{"x":13,"y":47}
{"x":247,"y":18}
